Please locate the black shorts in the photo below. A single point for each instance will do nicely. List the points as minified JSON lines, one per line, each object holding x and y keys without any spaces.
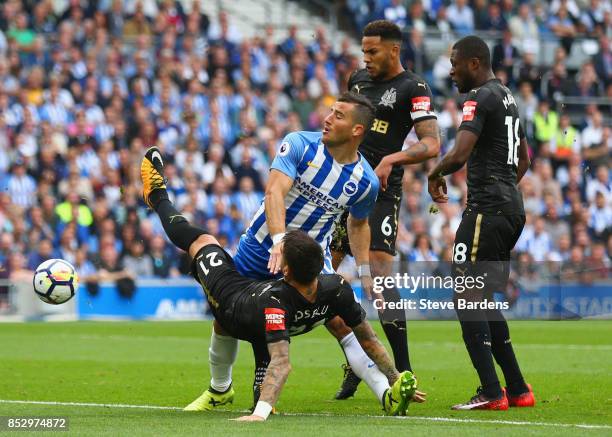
{"x":383,"y":225}
{"x":482,"y":247}
{"x":214,"y":269}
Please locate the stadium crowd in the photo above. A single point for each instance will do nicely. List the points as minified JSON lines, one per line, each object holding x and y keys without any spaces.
{"x":86,"y":86}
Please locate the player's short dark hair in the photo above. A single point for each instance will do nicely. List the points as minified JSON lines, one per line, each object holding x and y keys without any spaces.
{"x":387,"y":30}
{"x":473,"y":46}
{"x":364,"y":110}
{"x":303,"y":255}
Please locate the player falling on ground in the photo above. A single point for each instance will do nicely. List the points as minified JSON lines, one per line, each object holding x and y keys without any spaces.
{"x":492,"y":141}
{"x":267,"y":313}
{"x":402,"y":100}
{"x":314,"y":178}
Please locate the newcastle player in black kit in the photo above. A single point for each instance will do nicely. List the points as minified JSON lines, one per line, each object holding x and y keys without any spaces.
{"x":268,"y":313}
{"x":403,"y":101}
{"x":491,"y":140}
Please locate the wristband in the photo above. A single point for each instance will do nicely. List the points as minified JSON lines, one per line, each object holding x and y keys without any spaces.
{"x":277,"y":238}
{"x":364,"y":270}
{"x":262,"y":409}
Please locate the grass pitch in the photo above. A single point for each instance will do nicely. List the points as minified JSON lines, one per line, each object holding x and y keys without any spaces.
{"x":165,"y":364}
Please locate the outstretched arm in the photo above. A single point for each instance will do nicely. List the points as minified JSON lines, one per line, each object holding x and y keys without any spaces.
{"x":427,"y":147}
{"x":276,"y":375}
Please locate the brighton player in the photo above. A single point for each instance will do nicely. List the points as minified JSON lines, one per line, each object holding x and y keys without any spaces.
{"x":402,"y":100}
{"x":267,"y":313}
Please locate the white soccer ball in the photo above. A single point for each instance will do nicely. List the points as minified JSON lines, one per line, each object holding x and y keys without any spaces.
{"x":55,"y":281}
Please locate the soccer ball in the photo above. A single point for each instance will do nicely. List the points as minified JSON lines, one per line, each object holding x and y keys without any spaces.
{"x":55,"y":281}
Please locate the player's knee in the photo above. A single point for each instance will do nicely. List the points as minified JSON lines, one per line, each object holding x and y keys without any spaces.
{"x":200,"y":242}
{"x":338,"y":328}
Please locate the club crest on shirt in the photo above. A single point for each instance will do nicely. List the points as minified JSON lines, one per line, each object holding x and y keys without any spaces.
{"x":349,"y":188}
{"x":388,"y":98}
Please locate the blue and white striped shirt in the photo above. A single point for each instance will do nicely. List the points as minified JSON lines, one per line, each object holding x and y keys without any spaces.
{"x":322,"y":190}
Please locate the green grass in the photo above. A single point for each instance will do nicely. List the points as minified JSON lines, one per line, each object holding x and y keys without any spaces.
{"x":165,"y":364}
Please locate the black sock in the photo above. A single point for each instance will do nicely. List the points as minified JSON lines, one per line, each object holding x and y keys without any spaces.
{"x":260,"y":374}
{"x":477,"y":340}
{"x":502,"y":349}
{"x":394,"y":324}
{"x":178,"y":229}
{"x":262,"y":359}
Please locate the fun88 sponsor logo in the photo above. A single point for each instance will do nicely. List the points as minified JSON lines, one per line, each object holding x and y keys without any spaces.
{"x":275,"y":319}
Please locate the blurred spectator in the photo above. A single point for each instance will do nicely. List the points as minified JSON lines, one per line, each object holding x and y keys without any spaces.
{"x":593,"y":17}
{"x":596,"y":142}
{"x":461,"y":16}
{"x":21,"y":186}
{"x":525,"y":29}
{"x":449,"y":120}
{"x":162,"y":263}
{"x":538,"y":242}
{"x":600,"y":217}
{"x":505,"y":55}
{"x":417,"y":19}
{"x":396,"y":12}
{"x":546,"y":123}
{"x":45,"y":251}
{"x":527,"y":103}
{"x":414,"y":54}
{"x":136,"y":261}
{"x":561,"y":24}
{"x":565,"y":143}
{"x":599,"y":263}
{"x":587,"y":83}
{"x":247,"y":200}
{"x":603,"y":60}
{"x":111,"y":269}
{"x":495,"y":21}
{"x":601,"y":183}
{"x":526,"y":70}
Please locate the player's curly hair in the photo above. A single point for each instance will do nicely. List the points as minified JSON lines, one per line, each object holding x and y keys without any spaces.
{"x":387,"y":30}
{"x":303,"y":255}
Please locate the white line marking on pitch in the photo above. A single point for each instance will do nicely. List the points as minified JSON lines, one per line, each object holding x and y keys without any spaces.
{"x":424,"y":418}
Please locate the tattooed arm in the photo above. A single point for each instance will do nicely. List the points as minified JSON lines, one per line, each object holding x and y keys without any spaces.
{"x":276,"y":375}
{"x":427,"y":147}
{"x":375,"y":350}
